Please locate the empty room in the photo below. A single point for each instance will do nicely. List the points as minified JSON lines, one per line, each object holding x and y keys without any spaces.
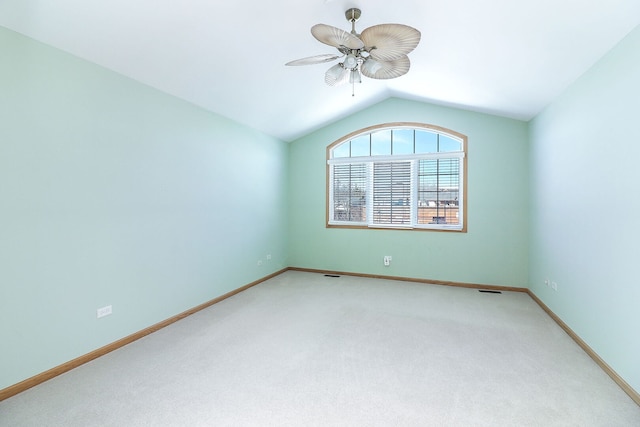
{"x":322,"y":213}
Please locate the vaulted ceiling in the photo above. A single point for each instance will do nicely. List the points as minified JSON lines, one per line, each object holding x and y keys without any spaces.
{"x":505,"y":57}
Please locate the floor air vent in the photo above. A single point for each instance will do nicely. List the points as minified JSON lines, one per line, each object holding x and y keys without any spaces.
{"x":331,"y":275}
{"x":486,"y":291}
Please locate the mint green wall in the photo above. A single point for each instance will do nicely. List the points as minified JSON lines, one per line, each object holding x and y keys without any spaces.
{"x":114,"y":193}
{"x":585,"y":209}
{"x":493,"y":251}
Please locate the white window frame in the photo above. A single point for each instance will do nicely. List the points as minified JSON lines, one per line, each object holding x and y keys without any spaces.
{"x":414,"y":159}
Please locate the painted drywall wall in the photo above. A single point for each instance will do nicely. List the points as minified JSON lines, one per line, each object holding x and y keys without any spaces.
{"x":113,"y":193}
{"x":584,"y":212}
{"x":493,"y":251}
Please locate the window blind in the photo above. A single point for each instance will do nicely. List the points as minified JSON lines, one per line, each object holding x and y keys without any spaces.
{"x":349,"y":190}
{"x":392,"y":193}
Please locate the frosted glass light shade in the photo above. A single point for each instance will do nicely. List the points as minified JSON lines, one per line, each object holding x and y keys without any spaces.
{"x":355,"y":77}
{"x":335,"y":75}
{"x":350,"y":62}
{"x":370,"y":67}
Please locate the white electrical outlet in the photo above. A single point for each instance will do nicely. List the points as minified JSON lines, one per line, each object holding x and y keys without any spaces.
{"x":268,"y":257}
{"x":554,"y":286}
{"x":387,"y":260}
{"x":103,"y":311}
{"x":546,"y":282}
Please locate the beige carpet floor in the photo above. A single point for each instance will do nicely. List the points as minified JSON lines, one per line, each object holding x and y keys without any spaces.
{"x":303,"y":349}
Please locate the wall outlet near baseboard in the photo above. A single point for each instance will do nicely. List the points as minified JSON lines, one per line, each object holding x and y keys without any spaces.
{"x":554,"y":286}
{"x":387,"y":260}
{"x":104,"y":311}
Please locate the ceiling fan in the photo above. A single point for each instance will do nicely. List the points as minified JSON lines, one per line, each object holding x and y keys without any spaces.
{"x":379,"y":52}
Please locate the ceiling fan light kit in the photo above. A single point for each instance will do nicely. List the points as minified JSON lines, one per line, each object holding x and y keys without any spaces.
{"x":380,"y":52}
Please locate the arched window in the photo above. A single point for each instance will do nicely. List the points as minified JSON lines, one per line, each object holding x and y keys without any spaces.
{"x":398,"y":175}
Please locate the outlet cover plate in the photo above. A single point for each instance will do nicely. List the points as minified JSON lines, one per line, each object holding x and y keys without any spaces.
{"x":104,"y":311}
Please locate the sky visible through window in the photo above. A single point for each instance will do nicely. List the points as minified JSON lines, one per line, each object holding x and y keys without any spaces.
{"x":397,"y":142}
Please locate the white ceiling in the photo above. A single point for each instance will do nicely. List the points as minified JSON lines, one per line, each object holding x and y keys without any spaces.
{"x":506,"y":57}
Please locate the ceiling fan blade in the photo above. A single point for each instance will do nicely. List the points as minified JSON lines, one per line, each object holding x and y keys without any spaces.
{"x":335,"y":37}
{"x":317,"y":59}
{"x":391,"y":41}
{"x":383,"y":70}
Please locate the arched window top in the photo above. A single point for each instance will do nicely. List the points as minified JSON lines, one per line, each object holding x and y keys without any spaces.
{"x":397,"y":139}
